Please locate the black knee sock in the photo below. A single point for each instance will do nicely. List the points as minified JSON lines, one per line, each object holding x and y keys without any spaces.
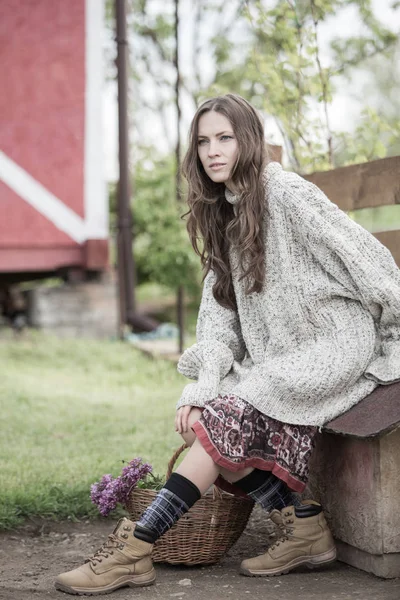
{"x":174,"y":500}
{"x":267,"y":490}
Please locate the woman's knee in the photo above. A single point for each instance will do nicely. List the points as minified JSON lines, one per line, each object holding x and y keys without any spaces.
{"x":189,"y":436}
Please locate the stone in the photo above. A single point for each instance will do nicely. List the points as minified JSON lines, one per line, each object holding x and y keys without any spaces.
{"x":86,"y":309}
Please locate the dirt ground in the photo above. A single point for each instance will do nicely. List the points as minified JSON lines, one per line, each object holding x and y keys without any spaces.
{"x":33,"y":555}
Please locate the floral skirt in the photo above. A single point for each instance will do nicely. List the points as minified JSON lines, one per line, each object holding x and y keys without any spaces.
{"x":236,"y":435}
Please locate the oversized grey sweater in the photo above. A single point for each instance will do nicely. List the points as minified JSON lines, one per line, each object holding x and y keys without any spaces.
{"x":325,"y":330}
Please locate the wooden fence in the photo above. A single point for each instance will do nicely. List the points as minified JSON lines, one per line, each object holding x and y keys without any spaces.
{"x":369,"y":185}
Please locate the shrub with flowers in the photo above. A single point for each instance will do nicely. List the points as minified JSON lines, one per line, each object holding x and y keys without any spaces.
{"x":110,"y":491}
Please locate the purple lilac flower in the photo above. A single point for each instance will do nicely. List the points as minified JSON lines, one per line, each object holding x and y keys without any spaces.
{"x":97,"y":488}
{"x":107,"y":492}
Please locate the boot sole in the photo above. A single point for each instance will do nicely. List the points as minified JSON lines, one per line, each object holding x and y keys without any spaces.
{"x":138,"y":581}
{"x":309,"y":561}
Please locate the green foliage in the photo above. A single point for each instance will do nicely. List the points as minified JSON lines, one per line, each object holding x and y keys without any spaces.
{"x":281,"y":71}
{"x":152,"y":482}
{"x":381,"y":84}
{"x":275,"y":55}
{"x":370,"y":140}
{"x":162,"y":249}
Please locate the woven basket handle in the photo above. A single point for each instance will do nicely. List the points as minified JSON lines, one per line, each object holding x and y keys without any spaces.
{"x":173,"y":460}
{"x":216,"y":491}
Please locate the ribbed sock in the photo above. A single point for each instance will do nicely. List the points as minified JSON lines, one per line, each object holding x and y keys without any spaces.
{"x":174,"y":500}
{"x":267,"y":490}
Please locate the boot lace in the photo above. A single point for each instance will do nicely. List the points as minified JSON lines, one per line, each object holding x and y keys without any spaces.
{"x":285,"y":532}
{"x":106,"y":550}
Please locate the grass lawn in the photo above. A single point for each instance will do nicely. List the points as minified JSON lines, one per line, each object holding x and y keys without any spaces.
{"x":72,"y":410}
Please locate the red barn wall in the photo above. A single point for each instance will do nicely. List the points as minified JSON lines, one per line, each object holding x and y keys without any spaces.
{"x":42,"y":128}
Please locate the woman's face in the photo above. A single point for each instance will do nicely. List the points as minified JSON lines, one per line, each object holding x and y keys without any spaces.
{"x":217,"y":146}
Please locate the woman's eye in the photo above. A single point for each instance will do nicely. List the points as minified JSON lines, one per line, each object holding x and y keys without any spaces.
{"x":226,"y":137}
{"x":202,"y":142}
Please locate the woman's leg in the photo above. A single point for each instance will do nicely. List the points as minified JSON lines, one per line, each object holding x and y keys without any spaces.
{"x":187,"y":484}
{"x":265,"y":489}
{"x":192,"y":479}
{"x":199,"y":467}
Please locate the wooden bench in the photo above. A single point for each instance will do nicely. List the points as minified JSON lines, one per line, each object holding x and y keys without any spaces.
{"x":355,"y":474}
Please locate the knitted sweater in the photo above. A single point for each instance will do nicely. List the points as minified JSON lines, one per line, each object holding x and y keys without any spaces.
{"x":325,"y":329}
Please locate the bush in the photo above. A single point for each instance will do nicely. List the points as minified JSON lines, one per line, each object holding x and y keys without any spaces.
{"x":163,"y":253}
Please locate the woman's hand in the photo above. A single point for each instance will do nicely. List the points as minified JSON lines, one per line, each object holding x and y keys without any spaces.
{"x":182,"y":418}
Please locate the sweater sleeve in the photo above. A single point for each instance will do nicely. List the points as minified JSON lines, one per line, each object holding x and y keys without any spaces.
{"x":355,"y":258}
{"x":219,"y":344}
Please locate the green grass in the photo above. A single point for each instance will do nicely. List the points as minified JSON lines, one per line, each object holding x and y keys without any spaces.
{"x":72,"y":410}
{"x":153,"y":291}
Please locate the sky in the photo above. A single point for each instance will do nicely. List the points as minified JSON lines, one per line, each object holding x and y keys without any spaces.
{"x":343,"y":111}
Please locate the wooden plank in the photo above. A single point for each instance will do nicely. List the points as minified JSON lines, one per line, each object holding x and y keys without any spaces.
{"x":391,"y":239}
{"x":376,"y":414}
{"x":275,"y":152}
{"x":376,"y":183}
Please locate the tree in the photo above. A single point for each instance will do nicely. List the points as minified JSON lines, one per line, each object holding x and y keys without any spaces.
{"x":286,"y":71}
{"x":274,"y":54}
{"x":377,"y":133}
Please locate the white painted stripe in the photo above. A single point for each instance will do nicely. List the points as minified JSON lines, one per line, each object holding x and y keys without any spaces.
{"x":95,"y":197}
{"x":33,"y":192}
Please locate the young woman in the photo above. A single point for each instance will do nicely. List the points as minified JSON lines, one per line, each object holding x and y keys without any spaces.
{"x":299,"y":320}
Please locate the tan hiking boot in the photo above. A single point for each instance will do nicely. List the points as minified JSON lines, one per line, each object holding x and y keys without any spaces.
{"x":276,"y":517}
{"x":305,"y":540}
{"x":122,"y":561}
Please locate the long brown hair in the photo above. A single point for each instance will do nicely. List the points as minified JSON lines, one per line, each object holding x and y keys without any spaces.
{"x":211,"y":217}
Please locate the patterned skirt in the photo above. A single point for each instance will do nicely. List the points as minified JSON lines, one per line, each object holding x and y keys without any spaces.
{"x":236,"y":435}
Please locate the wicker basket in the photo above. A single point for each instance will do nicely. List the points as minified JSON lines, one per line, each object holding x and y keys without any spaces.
{"x":205,"y":533}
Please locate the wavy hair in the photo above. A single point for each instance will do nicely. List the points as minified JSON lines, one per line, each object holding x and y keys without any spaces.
{"x":212,"y":224}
